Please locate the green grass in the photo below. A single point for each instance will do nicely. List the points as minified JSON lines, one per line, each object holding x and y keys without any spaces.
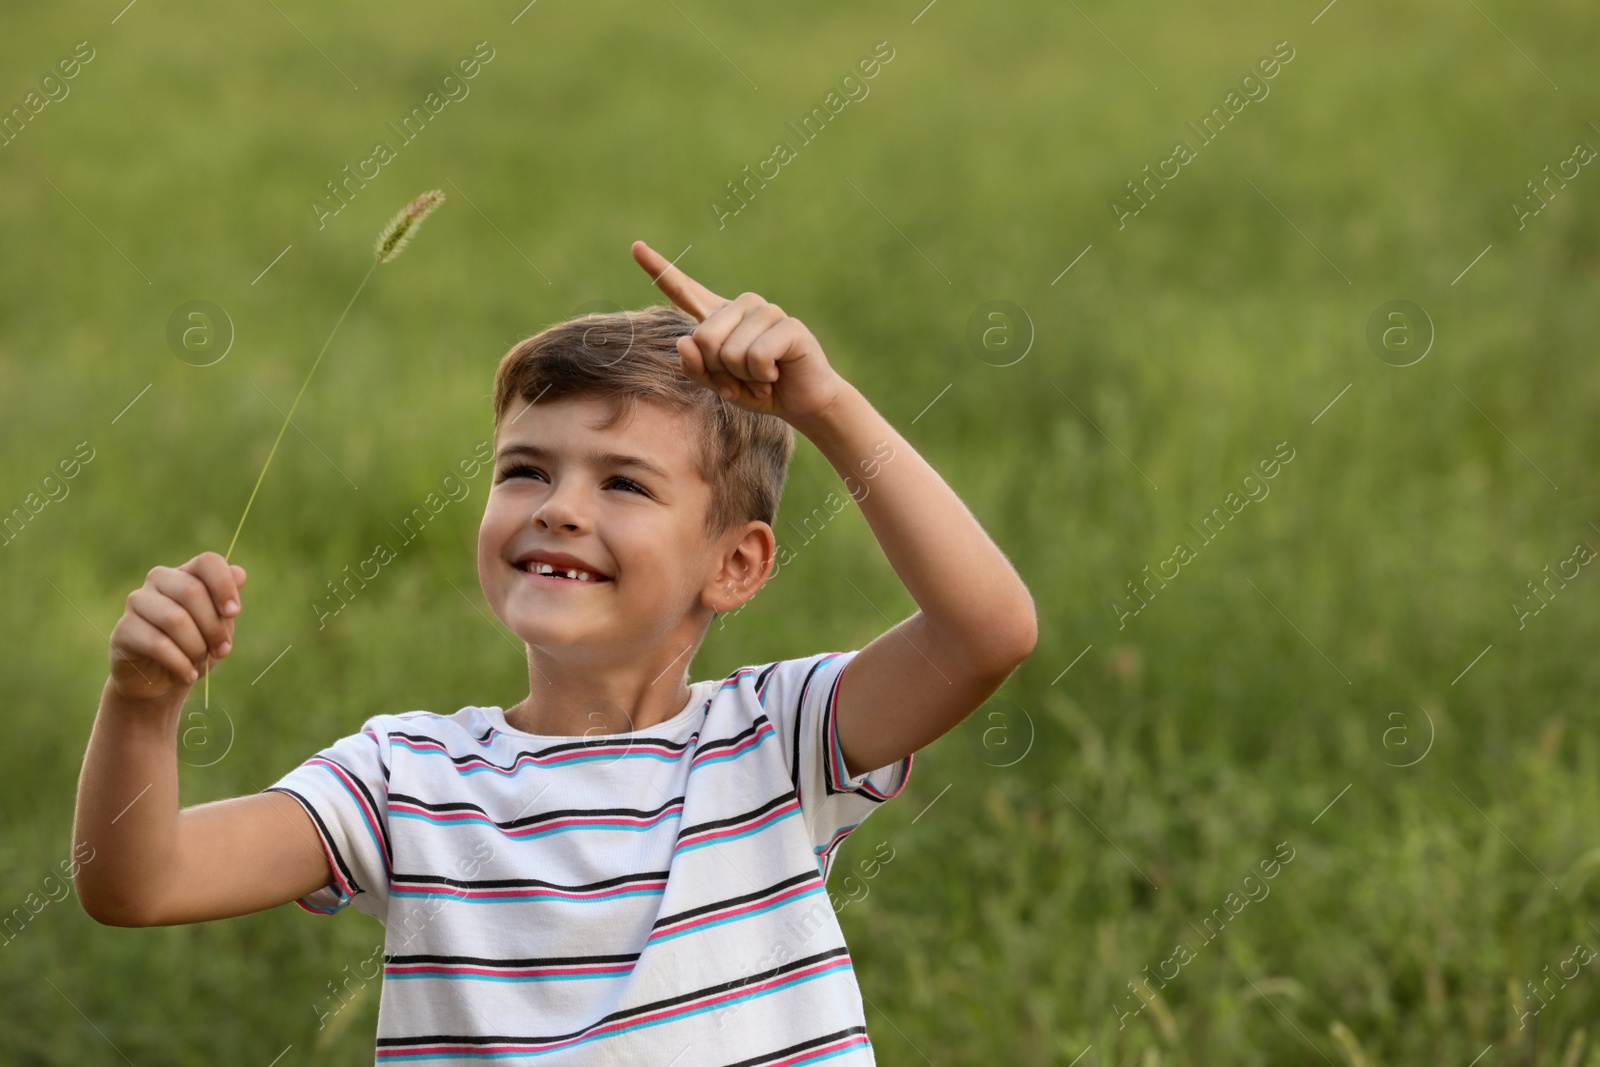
{"x":1172,"y":758}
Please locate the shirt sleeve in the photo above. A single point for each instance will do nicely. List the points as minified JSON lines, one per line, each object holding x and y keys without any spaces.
{"x":800,"y":697}
{"x":345,"y":790}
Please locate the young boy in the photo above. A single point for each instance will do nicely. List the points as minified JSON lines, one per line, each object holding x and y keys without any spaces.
{"x":624,"y":867}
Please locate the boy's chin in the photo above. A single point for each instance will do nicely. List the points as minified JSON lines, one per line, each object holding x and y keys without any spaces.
{"x":549,"y":632}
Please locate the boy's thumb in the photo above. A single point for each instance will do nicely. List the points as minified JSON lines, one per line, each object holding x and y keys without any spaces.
{"x":239,"y":574}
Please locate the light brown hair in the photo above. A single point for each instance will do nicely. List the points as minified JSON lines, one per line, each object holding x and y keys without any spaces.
{"x":629,"y":356}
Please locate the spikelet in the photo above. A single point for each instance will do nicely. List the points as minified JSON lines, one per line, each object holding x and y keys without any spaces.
{"x":402,"y":226}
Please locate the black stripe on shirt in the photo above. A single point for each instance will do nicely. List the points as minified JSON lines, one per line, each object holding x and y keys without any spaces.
{"x":798,"y":705}
{"x":756,"y":1061}
{"x":734,"y":820}
{"x":733,"y":902}
{"x":527,"y":883}
{"x":761,"y":679}
{"x":482,"y":961}
{"x":727,"y":742}
{"x":532,"y":820}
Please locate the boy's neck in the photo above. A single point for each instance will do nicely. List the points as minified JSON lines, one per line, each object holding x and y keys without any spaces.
{"x":590,"y":707}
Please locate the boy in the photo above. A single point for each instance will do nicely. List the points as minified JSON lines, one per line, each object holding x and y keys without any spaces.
{"x":624,"y":867}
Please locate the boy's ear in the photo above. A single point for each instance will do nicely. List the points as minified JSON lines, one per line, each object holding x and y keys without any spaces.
{"x":746,"y":563}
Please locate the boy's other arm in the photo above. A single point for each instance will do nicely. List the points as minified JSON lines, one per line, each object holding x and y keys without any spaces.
{"x":976,"y":621}
{"x":150,"y":864}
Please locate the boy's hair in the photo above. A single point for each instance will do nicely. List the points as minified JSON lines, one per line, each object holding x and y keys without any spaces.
{"x":628,"y":356}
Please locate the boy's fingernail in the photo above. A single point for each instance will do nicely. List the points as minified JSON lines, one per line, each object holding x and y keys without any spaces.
{"x":222,"y":650}
{"x":231,"y":606}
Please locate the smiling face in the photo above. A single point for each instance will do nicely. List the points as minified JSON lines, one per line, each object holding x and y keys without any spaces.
{"x":628,"y":505}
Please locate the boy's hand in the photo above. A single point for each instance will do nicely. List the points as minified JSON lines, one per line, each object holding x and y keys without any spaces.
{"x":747,"y":350}
{"x":174,"y":624}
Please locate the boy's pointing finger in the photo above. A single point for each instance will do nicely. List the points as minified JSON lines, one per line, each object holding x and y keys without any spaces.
{"x":683,"y":290}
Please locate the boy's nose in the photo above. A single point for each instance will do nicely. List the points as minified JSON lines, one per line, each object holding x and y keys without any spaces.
{"x":559,"y":509}
{"x":555,"y":518}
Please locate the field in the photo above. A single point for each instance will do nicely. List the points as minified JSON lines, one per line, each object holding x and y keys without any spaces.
{"x":1321,"y":786}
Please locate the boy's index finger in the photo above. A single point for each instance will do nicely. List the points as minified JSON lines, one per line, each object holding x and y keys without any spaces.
{"x":683,"y":290}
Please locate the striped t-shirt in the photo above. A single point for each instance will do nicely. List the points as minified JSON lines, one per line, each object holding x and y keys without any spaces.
{"x":652,"y":897}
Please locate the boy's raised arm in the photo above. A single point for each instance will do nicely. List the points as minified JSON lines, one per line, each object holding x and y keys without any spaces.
{"x":976,"y":619}
{"x":149,"y":863}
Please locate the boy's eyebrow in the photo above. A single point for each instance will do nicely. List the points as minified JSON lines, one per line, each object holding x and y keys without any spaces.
{"x":598,"y":459}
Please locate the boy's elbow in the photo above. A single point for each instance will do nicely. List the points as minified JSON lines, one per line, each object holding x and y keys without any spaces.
{"x":102,"y":914}
{"x":117,"y":919}
{"x":1030,"y":639}
{"x":1017,"y":640}
{"x":1027,"y":639}
{"x":109,"y":911}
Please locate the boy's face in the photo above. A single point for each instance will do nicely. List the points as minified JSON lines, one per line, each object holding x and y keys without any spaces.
{"x":640,"y":527}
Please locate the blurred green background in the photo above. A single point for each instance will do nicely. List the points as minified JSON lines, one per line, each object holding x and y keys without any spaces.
{"x":1360,"y":617}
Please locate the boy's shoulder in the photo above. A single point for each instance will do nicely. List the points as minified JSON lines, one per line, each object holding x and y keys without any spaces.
{"x":797,"y":676}
{"x":387,"y":728}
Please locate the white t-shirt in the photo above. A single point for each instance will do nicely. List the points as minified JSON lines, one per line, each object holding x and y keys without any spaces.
{"x":652,"y":897}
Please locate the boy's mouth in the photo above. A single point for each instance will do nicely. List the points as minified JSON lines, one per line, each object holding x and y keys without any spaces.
{"x":557,"y":566}
{"x":550,"y":573}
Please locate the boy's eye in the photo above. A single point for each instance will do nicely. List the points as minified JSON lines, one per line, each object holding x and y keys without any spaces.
{"x":520,"y":470}
{"x":633,"y":486}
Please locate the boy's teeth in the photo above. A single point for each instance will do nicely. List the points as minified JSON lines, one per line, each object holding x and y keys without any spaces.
{"x":545,"y":568}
